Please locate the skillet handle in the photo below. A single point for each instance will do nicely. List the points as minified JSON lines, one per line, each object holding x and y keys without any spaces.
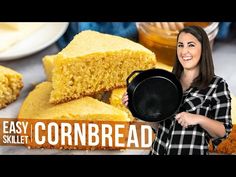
{"x":131,"y":75}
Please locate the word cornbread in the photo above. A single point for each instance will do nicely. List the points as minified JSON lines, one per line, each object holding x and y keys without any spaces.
{"x":94,"y":62}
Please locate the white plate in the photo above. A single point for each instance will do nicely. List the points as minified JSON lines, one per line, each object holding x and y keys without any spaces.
{"x":40,"y":39}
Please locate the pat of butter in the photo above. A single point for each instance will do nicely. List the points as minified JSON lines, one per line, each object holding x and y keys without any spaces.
{"x":10,"y":26}
{"x":11,"y":33}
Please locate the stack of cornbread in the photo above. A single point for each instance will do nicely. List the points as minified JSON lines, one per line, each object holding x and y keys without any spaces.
{"x":91,"y":65}
{"x":37,"y":105}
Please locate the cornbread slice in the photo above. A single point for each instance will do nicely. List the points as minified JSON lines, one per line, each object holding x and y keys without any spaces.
{"x":95,"y":62}
{"x":37,"y":106}
{"x":10,"y":86}
{"x":48,"y":64}
{"x":116,"y":101}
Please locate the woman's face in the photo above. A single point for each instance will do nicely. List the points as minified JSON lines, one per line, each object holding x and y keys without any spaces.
{"x":188,"y":51}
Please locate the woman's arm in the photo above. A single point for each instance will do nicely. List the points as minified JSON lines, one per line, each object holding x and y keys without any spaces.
{"x":220,"y":125}
{"x":215,"y":128}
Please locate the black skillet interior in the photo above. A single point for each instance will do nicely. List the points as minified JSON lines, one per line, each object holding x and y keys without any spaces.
{"x":154,"y":95}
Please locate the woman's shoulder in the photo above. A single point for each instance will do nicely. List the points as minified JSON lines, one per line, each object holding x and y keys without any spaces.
{"x":219,"y":84}
{"x":217,"y":80}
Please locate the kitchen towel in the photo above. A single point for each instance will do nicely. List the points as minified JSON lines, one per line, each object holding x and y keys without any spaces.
{"x":123,"y":29}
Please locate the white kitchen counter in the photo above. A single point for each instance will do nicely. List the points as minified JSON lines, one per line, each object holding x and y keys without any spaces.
{"x":18,"y":150}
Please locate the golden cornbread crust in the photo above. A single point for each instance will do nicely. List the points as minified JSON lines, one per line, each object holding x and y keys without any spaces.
{"x":94,"y":62}
{"x":10,"y":86}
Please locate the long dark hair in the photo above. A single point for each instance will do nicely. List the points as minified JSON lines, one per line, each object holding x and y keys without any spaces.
{"x":206,"y":67}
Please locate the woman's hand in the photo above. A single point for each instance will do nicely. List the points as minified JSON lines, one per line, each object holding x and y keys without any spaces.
{"x":125,"y":99}
{"x":187,"y":119}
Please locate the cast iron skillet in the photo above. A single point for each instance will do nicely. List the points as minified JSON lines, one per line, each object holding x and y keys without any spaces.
{"x":154,"y":94}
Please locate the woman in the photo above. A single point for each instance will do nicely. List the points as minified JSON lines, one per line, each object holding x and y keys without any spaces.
{"x":205,"y":113}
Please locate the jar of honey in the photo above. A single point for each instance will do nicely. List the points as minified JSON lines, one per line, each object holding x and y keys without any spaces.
{"x":163,"y":42}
